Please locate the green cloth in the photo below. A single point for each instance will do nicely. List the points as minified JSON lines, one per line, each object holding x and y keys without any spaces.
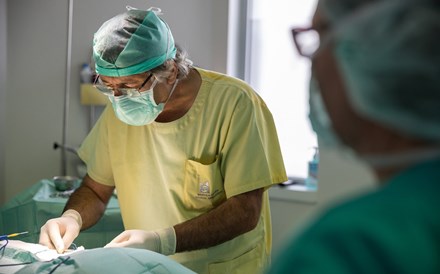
{"x":20,"y":259}
{"x":30,"y":210}
{"x":109,"y":260}
{"x":395,"y":229}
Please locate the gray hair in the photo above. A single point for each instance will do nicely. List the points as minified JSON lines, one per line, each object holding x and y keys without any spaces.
{"x":184,"y":64}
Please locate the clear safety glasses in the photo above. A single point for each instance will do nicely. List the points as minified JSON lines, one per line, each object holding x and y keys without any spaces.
{"x":129,"y":92}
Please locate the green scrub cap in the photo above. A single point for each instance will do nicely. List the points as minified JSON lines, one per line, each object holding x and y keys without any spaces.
{"x":132,"y":42}
{"x":389,"y":56}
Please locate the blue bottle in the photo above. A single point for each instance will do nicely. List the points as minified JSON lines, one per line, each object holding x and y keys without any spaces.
{"x":312,"y":176}
{"x":86,"y":74}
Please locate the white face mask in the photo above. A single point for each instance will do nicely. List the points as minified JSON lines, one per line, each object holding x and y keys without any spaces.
{"x":139,"y":110}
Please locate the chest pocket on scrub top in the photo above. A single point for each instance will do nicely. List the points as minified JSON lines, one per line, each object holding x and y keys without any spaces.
{"x":203,"y":185}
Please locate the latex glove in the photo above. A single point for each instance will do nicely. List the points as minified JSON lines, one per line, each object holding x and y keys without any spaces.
{"x":59,"y":233}
{"x":161,"y":241}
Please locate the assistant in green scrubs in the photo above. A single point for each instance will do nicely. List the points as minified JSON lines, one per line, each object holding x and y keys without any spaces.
{"x":375,"y":91}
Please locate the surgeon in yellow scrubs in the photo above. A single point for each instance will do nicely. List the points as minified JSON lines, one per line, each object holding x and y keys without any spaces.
{"x":191,"y":153}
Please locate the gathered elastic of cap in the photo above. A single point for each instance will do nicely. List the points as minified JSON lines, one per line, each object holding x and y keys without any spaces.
{"x":135,"y":69}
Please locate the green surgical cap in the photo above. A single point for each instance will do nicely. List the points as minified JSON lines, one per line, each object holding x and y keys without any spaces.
{"x":132,"y":42}
{"x":389,"y":56}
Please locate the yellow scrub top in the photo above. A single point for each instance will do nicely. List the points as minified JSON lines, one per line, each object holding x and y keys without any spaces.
{"x":168,"y":173}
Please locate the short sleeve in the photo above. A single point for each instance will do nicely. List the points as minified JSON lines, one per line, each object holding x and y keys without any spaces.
{"x":94,"y":151}
{"x":251,"y":157}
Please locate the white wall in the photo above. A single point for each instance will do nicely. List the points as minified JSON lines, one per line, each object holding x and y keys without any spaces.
{"x":340,"y":177}
{"x":3,"y":56}
{"x":36,"y":67}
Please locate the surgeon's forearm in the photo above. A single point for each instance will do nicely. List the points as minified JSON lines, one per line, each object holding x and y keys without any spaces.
{"x":234,"y":217}
{"x":90,"y":200}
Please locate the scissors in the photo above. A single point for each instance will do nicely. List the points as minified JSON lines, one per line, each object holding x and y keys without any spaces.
{"x":7,"y":236}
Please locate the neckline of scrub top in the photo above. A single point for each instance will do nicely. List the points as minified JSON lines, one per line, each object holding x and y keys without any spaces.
{"x":191,"y":114}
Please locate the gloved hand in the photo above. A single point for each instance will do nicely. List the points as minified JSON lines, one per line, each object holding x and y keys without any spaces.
{"x":59,"y":233}
{"x":162,"y":241}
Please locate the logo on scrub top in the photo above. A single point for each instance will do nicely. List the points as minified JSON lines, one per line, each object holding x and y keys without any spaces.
{"x":205,"y":192}
{"x":204,"y":188}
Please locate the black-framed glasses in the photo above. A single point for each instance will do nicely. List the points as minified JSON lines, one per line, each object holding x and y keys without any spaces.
{"x":307,"y":41}
{"x":130,"y":92}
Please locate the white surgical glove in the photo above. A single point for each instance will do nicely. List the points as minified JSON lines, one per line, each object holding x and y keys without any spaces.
{"x":59,"y":233}
{"x":161,"y":241}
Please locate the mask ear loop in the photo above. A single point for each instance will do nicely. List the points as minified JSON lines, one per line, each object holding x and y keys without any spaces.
{"x":172,"y":90}
{"x":130,"y":8}
{"x":156,"y":11}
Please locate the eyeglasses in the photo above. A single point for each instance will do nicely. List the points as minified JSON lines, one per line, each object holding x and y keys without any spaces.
{"x":129,"y":92}
{"x":307,"y":41}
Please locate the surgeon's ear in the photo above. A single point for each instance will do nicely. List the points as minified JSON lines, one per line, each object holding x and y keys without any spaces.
{"x":173,"y":74}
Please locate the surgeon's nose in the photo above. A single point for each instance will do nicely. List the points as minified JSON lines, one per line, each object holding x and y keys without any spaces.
{"x":116,"y":92}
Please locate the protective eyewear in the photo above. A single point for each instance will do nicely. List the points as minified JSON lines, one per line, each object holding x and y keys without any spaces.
{"x":129,"y":92}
